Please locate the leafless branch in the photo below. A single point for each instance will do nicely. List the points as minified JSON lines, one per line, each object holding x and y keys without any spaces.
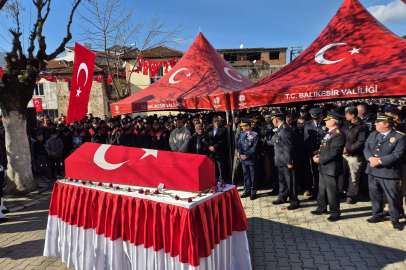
{"x":2,"y":3}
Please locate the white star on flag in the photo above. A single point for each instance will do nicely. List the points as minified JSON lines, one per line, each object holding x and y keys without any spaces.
{"x":78,"y":92}
{"x":354,"y":51}
{"x":188,"y":75}
{"x":149,"y":152}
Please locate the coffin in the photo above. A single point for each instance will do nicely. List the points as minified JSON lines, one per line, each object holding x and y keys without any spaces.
{"x":141,"y":167}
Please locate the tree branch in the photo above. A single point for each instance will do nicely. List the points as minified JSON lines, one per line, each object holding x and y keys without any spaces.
{"x":2,"y":3}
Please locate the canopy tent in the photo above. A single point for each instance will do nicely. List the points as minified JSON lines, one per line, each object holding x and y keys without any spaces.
{"x":354,"y":57}
{"x":200,"y":80}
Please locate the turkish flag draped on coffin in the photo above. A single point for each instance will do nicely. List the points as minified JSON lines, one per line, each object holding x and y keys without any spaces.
{"x":37,"y":104}
{"x":141,"y":167}
{"x":82,"y":80}
{"x":354,"y":57}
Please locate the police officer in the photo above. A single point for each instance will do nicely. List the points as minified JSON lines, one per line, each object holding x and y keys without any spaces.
{"x":284,"y":160}
{"x":248,"y":154}
{"x":127,"y":133}
{"x":81,"y":132}
{"x":330,"y":163}
{"x":113,"y":132}
{"x":384,"y":150}
{"x":141,"y":139}
{"x":97,"y":133}
{"x":157,"y":139}
{"x":314,"y":131}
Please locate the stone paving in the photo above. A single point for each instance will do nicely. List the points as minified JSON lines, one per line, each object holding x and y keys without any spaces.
{"x":278,"y":238}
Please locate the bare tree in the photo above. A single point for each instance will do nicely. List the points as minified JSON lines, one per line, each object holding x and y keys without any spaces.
{"x":19,"y":81}
{"x":111,"y":24}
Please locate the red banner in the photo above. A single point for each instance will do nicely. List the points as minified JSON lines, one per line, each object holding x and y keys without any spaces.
{"x":50,"y":78}
{"x":81,"y":83}
{"x":68,"y":80}
{"x":37,"y":104}
{"x":99,"y":79}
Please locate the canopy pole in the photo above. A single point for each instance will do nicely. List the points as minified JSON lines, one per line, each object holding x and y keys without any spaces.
{"x":234,"y":146}
{"x":229,"y":142}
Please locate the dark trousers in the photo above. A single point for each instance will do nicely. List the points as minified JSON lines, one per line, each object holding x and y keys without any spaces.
{"x":274,"y":170}
{"x":221,"y":168}
{"x":1,"y":183}
{"x":287,"y":185}
{"x":315,"y":174}
{"x":328,"y":186}
{"x":379,"y":185}
{"x":237,"y":169}
{"x":250,"y":178}
{"x":55,"y":161}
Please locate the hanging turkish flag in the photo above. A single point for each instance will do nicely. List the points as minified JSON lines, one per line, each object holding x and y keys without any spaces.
{"x":109,"y":79}
{"x":37,"y":104}
{"x":82,"y":80}
{"x":145,"y":67}
{"x":99,"y":79}
{"x":140,"y":64}
{"x":122,"y":74}
{"x":68,"y":80}
{"x":1,"y":73}
{"x":49,"y":78}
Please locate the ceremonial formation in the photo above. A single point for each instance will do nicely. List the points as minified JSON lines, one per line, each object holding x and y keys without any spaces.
{"x":165,"y":179}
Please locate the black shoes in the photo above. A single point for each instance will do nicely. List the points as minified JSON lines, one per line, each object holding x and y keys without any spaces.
{"x":375,"y":219}
{"x":397,"y":226}
{"x":318,"y":213}
{"x":253,"y":197}
{"x":293,"y":206}
{"x":277,"y":202}
{"x":313,"y":197}
{"x":245,"y":195}
{"x":333,"y":219}
{"x":351,"y":200}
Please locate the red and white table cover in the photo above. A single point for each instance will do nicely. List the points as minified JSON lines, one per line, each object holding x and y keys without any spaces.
{"x":95,"y":228}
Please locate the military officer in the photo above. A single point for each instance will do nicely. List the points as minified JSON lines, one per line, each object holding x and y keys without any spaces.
{"x":248,"y":154}
{"x":384,"y":150}
{"x":284,"y":160}
{"x":314,"y":131}
{"x":330,"y":163}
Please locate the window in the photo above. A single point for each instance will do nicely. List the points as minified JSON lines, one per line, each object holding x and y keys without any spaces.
{"x":159,"y":75}
{"x":230,"y":57}
{"x":253,"y":56}
{"x":274,"y":56}
{"x":39,"y":90}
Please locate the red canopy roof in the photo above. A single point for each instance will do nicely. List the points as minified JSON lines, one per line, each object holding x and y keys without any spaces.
{"x":200,"y":80}
{"x":354,"y":57}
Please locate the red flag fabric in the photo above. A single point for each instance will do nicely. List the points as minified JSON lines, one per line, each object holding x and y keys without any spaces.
{"x":166,"y":65}
{"x":50,"y":78}
{"x":82,"y":80}
{"x":122,"y":74}
{"x":99,"y":79}
{"x":404,"y":1}
{"x":354,"y":57}
{"x":37,"y":104}
{"x":140,"y":64}
{"x":68,"y":80}
{"x":109,"y":79}
{"x":145,"y":68}
{"x":1,"y":73}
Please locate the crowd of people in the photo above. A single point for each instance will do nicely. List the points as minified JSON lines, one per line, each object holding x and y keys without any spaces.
{"x":327,"y":151}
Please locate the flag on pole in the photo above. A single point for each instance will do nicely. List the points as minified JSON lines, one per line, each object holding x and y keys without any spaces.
{"x":37,"y":104}
{"x":82,"y":80}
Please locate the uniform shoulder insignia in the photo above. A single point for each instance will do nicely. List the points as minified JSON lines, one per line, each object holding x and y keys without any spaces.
{"x":400,"y":132}
{"x":284,"y":126}
{"x":337,"y":130}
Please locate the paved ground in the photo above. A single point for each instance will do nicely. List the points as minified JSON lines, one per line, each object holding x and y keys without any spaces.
{"x":279,"y":239}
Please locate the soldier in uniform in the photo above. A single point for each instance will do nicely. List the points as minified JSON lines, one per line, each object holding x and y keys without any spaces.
{"x":81,"y":132}
{"x":267,"y":133}
{"x":248,"y":154}
{"x":127,"y":134}
{"x":284,"y":160}
{"x":113,"y":132}
{"x":157,"y":139}
{"x":330,"y":161}
{"x":384,"y":150}
{"x":97,"y":133}
{"x":314,"y":131}
{"x":141,"y":138}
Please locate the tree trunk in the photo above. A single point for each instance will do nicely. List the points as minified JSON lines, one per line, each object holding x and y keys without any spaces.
{"x":19,"y":172}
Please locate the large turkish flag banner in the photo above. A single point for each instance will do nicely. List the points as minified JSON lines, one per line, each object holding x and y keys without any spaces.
{"x":37,"y":104}
{"x":141,"y":167}
{"x":82,"y":80}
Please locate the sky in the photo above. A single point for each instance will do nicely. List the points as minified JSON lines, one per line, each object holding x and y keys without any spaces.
{"x":225,"y":23}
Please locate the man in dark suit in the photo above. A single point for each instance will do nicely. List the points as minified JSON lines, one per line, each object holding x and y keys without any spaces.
{"x":285,"y":159}
{"x":248,"y":154}
{"x":330,"y":163}
{"x":216,"y":142}
{"x":384,"y":150}
{"x":314,"y":131}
